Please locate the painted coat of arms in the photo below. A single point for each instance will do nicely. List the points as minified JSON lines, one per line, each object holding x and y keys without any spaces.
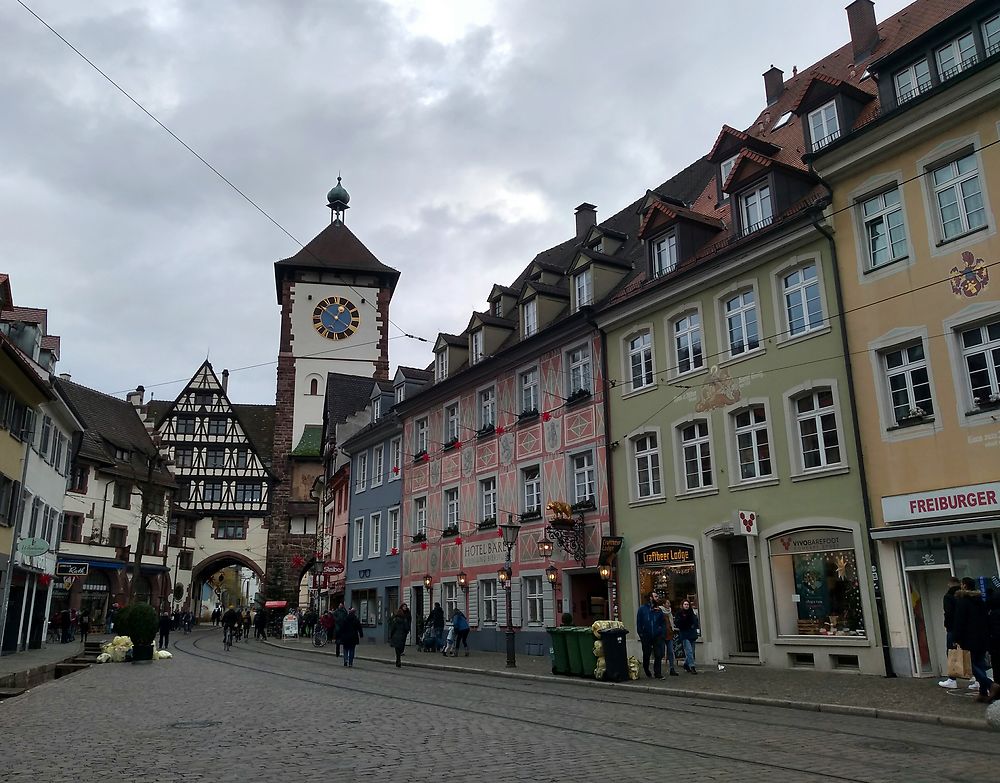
{"x":719,"y":390}
{"x":972,"y":278}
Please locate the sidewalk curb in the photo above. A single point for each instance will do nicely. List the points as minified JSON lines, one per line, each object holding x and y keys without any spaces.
{"x":732,"y":698}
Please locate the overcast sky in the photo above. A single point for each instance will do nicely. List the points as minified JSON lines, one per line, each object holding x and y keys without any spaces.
{"x":466,"y":133}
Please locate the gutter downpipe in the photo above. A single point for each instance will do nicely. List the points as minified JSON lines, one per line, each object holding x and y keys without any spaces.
{"x":856,"y":428}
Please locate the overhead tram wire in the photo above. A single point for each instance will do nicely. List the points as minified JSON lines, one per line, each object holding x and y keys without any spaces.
{"x":213,"y":169}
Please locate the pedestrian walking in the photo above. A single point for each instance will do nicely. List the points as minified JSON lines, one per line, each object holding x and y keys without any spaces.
{"x":188,"y":621}
{"x":112,"y":613}
{"x":84,"y":626}
{"x":247,"y":622}
{"x":409,"y":618}
{"x":350,"y":635}
{"x":993,"y":623}
{"x":461,"y":625}
{"x":398,"y":629}
{"x":972,"y":634}
{"x":64,"y":625}
{"x":165,"y":625}
{"x":339,"y":620}
{"x":644,"y":628}
{"x":948,"y":604}
{"x":437,"y":623}
{"x":260,"y":625}
{"x":326,"y":621}
{"x":687,"y":629}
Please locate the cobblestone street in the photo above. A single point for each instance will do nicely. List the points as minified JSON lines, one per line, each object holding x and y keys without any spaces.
{"x":263,"y":713}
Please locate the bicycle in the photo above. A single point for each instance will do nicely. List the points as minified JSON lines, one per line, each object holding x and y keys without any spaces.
{"x":319,"y":636}
{"x":227,"y":637}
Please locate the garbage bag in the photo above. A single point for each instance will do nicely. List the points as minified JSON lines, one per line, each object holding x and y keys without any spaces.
{"x":599,"y":669}
{"x":598,"y":649}
{"x":103,"y":658}
{"x":164,"y":654}
{"x":605,"y":625}
{"x":633,"y":668}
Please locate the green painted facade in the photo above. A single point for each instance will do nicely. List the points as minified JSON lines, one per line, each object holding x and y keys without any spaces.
{"x":754,"y":606}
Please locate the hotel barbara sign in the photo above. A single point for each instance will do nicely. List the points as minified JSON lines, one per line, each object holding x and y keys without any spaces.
{"x":484,"y":553}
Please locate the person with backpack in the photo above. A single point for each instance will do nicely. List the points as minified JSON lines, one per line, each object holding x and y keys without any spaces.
{"x":398,"y":630}
{"x":461,"y":625}
{"x":339,"y":619}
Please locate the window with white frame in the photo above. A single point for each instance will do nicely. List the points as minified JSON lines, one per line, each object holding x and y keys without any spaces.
{"x":981,"y":354}
{"x":375,"y":523}
{"x":450,"y":590}
{"x":580,"y":376}
{"x":908,"y":382}
{"x":912,"y":80}
{"x":451,"y":423}
{"x":396,"y":458}
{"x":755,"y":208}
{"x":646,"y":453}
{"x":477,"y":347}
{"x":529,"y":390}
{"x":529,"y":317}
{"x":498,"y":308}
{"x":399,"y":393}
{"x":584,"y":285}
{"x":803,"y":303}
{"x":451,"y":507}
{"x":959,"y":197}
{"x":361,"y":479}
{"x":533,"y":599}
{"x":45,"y":438}
{"x":392,"y":540}
{"x":488,"y":499}
{"x":991,"y":35}
{"x":531,"y":484}
{"x":640,"y":360}
{"x":665,"y":254}
{"x":359,"y":538}
{"x":487,"y":408}
{"x":378,"y":465}
{"x":726,"y":168}
{"x":741,"y":322}
{"x":816,"y":421}
{"x":376,"y":409}
{"x":583,"y":477}
{"x":885,"y":228}
{"x":956,"y":56}
{"x":824,"y":126}
{"x":687,"y":342}
{"x":488,"y":601}
{"x":441,"y":365}
{"x":420,"y":436}
{"x":752,"y":446}
{"x":420,"y":516}
{"x":696,"y":455}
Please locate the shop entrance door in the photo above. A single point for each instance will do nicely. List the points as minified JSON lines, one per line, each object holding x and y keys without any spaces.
{"x":926,"y":589}
{"x":746,"y":626}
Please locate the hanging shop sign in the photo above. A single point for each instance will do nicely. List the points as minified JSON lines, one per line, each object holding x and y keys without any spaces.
{"x":33,"y":547}
{"x":610,"y":546}
{"x":748,"y":523}
{"x":937,"y":503}
{"x":665,"y":554}
{"x":72,"y":569}
{"x":333,"y":567}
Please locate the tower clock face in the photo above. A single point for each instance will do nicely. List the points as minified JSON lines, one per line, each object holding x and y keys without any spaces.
{"x":336,"y":318}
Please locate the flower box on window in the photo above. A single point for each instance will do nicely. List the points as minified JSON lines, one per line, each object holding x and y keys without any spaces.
{"x":530,"y":516}
{"x":486,"y":431}
{"x":451,"y":530}
{"x":584,"y":505}
{"x":450,"y":444}
{"x":488,"y":523}
{"x":419,"y":537}
{"x":420,"y":455}
{"x":578,"y":396}
{"x":987,"y":403}
{"x":528,"y":415}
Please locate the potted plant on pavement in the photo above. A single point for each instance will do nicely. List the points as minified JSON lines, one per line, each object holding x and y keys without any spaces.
{"x":142,"y":626}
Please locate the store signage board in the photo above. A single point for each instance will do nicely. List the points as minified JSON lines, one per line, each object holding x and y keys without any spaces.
{"x":290,"y":626}
{"x":482,"y":553}
{"x":938,"y":503}
{"x":666,"y":554}
{"x":610,"y":546}
{"x":333,"y":567}
{"x":72,"y":569}
{"x":811,"y":541}
{"x":32,"y":547}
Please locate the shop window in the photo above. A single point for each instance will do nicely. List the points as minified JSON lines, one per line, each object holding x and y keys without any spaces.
{"x":669,"y":570}
{"x":973,"y":555}
{"x":817,"y":590}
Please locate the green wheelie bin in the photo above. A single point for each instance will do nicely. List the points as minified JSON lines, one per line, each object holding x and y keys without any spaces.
{"x":585,"y":639}
{"x":572,"y":635}
{"x":560,"y":653}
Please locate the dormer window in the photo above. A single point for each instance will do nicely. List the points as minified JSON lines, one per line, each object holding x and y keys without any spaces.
{"x":583,"y":283}
{"x":376,"y":409}
{"x":665,"y":253}
{"x":955,"y":57}
{"x":598,"y":246}
{"x":498,"y":308}
{"x":912,"y":81}
{"x":991,"y":35}
{"x":725,"y":168}
{"x":441,"y":365}
{"x":824,"y":126}
{"x":477,"y":347}
{"x":400,"y":393}
{"x":755,"y":208}
{"x":529,"y":317}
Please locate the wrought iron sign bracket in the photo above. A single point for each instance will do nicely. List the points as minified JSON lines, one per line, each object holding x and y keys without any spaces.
{"x":570,"y":534}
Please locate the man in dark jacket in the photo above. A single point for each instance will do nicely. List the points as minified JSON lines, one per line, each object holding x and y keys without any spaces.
{"x":646,"y":628}
{"x":437,"y":623}
{"x":166,"y":623}
{"x":948,"y":602}
{"x":972,"y":634}
{"x":339,"y":618}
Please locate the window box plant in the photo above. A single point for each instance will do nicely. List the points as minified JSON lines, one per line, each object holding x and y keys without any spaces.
{"x":450,"y":531}
{"x":528,"y":415}
{"x":420,"y":455}
{"x":488,"y":523}
{"x":988,"y":403}
{"x":450,"y":444}
{"x":417,"y":538}
{"x":486,"y":431}
{"x":530,"y":516}
{"x":584,"y":505}
{"x":578,"y":396}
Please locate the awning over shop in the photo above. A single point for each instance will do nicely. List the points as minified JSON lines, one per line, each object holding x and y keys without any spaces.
{"x":905,"y":532}
{"x":93,"y":562}
{"x":275,"y":604}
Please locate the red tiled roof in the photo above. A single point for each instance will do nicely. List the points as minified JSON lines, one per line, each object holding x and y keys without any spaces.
{"x":31,"y":315}
{"x":674,"y":212}
{"x":50,"y":342}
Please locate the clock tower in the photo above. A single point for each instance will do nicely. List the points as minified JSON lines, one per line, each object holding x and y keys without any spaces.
{"x":334,"y":296}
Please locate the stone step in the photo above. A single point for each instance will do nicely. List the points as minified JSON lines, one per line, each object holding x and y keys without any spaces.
{"x":10,"y":693}
{"x":62,"y":669}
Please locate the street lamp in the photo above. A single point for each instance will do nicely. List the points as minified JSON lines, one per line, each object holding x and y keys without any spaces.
{"x":428,"y":579}
{"x":509,"y":533}
{"x":552,"y":574}
{"x":463,"y":580}
{"x":545,"y":547}
{"x":604,"y":571}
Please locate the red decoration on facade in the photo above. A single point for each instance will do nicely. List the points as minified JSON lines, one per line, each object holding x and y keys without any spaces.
{"x":298,"y":561}
{"x":458,"y":444}
{"x":44,"y":579}
{"x":458,"y":541}
{"x":427,"y":458}
{"x":395,"y":470}
{"x":394,"y":551}
{"x":546,"y":416}
{"x":500,"y":430}
{"x":499,"y":534}
{"x":423,"y":545}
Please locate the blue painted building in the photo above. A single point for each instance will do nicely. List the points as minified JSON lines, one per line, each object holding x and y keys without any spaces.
{"x":375,"y":522}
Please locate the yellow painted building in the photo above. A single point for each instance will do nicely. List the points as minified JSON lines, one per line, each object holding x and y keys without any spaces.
{"x":915,"y":182}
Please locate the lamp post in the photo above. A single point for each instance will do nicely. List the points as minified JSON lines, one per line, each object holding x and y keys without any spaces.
{"x":509,"y":532}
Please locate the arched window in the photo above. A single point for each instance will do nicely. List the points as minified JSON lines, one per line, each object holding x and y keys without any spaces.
{"x":314,"y":386}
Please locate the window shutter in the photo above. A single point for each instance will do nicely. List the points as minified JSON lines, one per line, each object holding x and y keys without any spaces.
{"x":517,"y":596}
{"x":548,"y":608}
{"x":473,"y":608}
{"x":501,"y":606}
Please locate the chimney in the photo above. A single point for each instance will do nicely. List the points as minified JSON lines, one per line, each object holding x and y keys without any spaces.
{"x":586,"y":216}
{"x":136,"y":397}
{"x":225,"y":381}
{"x":65,"y":376}
{"x":864,"y":28}
{"x":774,"y":84}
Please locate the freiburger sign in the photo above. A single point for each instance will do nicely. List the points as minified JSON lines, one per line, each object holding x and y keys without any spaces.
{"x":956,"y":501}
